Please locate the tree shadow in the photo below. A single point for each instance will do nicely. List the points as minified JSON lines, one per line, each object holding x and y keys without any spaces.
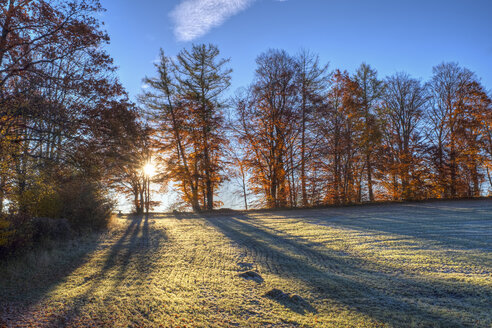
{"x":33,"y":285}
{"x":453,"y":224}
{"x":345,"y":280}
{"x":130,"y":257}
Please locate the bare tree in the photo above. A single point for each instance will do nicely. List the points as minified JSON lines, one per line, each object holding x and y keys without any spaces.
{"x":404,"y":105}
{"x":312,"y":79}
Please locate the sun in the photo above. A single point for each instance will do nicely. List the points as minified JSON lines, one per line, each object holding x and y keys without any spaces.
{"x":149,"y":169}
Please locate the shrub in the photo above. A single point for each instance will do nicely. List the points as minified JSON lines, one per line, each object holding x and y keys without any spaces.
{"x":47,"y":228}
{"x":60,"y":203}
{"x":5,"y":232}
{"x":85,"y":204}
{"x":16,"y":233}
{"x":40,"y":197}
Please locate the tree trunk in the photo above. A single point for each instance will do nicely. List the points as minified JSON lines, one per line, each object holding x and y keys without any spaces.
{"x":303,"y":153}
{"x":489,"y":176}
{"x":147,"y":201}
{"x":369,"y":177}
{"x":452,"y":186}
{"x":245,"y":195}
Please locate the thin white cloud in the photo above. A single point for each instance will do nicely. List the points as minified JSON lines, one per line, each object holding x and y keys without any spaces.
{"x":195,"y":18}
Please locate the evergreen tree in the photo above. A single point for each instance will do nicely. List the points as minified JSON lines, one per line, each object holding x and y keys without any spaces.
{"x":186,"y":105}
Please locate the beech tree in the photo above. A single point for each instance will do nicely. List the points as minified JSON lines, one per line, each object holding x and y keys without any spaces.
{"x":56,"y":80}
{"x":459,"y":103}
{"x":471,"y":134}
{"x":267,"y":125}
{"x":339,"y":125}
{"x":486,"y":119}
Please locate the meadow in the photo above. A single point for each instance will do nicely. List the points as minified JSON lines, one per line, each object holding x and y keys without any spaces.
{"x":389,"y":265}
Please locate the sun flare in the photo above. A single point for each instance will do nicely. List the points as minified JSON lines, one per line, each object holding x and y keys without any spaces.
{"x":149,"y":169}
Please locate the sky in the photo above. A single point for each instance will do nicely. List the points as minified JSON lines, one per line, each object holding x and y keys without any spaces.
{"x":392,"y":36}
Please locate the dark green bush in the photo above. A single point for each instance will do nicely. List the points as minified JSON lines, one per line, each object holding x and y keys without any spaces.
{"x":47,"y":228}
{"x":85,"y":204}
{"x":16,"y":234}
{"x":70,"y":204}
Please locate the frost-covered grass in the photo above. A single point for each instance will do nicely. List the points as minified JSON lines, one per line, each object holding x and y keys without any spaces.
{"x":423,"y":265}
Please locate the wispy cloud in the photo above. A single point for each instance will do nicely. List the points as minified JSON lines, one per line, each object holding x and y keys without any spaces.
{"x":195,"y":18}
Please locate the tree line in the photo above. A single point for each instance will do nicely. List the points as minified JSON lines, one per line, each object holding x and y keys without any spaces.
{"x":304,"y":135}
{"x":66,"y":123}
{"x":301,"y":134}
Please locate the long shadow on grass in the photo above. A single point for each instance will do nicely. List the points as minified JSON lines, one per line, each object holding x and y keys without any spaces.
{"x":29,"y":286}
{"x":455,"y":225}
{"x":129,"y":261}
{"x":334,"y":277}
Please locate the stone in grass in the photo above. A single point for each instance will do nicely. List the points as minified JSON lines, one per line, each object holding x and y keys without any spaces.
{"x":295,"y":302}
{"x":277,"y":294}
{"x":245,"y":265}
{"x":251,"y":275}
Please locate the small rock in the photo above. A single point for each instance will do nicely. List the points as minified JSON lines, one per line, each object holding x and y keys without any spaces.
{"x":277,"y":294}
{"x":245,"y":266}
{"x":251,"y":275}
{"x":294,"y":302}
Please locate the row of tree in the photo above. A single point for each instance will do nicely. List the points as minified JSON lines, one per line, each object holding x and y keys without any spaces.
{"x":299,"y":135}
{"x":302,"y":135}
{"x":66,"y":125}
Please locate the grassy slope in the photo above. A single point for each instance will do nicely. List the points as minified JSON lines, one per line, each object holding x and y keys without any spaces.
{"x":426,"y":264}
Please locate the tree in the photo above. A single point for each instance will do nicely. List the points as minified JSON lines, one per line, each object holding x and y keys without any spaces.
{"x":202,"y":80}
{"x":123,"y":145}
{"x":237,"y":170}
{"x":472,"y":132}
{"x":459,"y":103}
{"x":312,"y":82}
{"x":36,"y":34}
{"x":338,"y":127}
{"x":486,"y":119}
{"x":185,"y":105}
{"x":371,"y":89}
{"x":267,"y":125}
{"x":56,"y":81}
{"x":403,"y":107}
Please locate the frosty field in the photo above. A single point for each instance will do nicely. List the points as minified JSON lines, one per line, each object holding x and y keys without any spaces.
{"x":396,"y":265}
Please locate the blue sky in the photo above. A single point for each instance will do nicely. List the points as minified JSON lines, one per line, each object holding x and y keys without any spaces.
{"x":391,"y":36}
{"x":411,"y":36}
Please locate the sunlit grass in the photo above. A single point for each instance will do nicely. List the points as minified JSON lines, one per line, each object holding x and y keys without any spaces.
{"x":394,"y":265}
